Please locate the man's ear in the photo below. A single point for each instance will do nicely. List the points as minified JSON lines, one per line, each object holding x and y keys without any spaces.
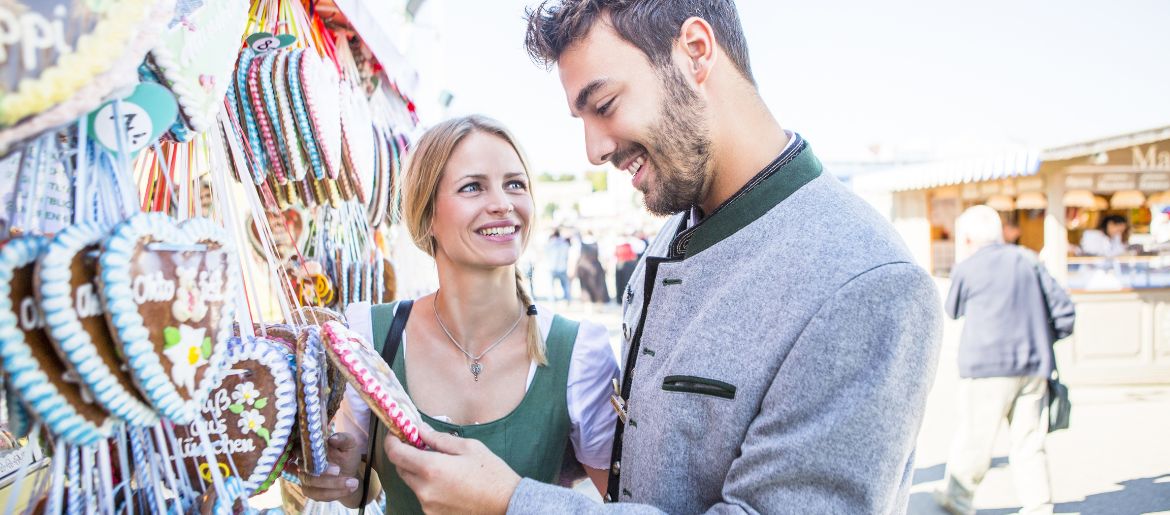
{"x":698,"y":44}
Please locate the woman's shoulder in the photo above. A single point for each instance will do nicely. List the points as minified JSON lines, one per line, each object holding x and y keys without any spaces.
{"x":592,"y":341}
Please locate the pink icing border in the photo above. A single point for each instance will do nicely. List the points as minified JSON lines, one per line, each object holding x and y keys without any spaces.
{"x":341,"y":345}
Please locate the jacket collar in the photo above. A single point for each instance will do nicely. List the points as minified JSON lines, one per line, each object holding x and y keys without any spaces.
{"x":790,"y":171}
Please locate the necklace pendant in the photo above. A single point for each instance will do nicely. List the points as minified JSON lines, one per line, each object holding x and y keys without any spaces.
{"x":476,"y":368}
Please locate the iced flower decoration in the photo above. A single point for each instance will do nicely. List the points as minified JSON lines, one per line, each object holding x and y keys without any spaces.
{"x":252,"y":421}
{"x":246,"y":393}
{"x":188,"y":349}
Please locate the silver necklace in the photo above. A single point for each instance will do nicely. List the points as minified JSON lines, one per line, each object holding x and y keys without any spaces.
{"x":476,"y":367}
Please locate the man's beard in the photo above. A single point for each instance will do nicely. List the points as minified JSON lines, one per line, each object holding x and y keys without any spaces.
{"x":679,"y":149}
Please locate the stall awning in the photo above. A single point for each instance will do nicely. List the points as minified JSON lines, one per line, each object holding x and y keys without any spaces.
{"x":946,"y":173}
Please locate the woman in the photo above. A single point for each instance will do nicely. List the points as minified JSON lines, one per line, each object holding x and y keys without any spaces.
{"x":476,"y":357}
{"x":1108,"y":239}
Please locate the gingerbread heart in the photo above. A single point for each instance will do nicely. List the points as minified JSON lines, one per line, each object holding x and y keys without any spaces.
{"x":358,"y":140}
{"x":319,"y":85}
{"x":62,"y":58}
{"x":169,"y":297}
{"x":312,"y":398}
{"x":67,"y":287}
{"x":249,"y":416}
{"x":49,"y":389}
{"x":196,"y":55}
{"x":368,"y":373}
{"x":289,"y":232}
{"x":297,"y":160}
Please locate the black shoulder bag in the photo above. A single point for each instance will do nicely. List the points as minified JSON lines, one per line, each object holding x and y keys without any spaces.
{"x":389,"y":352}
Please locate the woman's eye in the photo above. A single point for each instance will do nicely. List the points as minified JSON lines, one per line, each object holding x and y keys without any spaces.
{"x":470,"y":187}
{"x":604,"y":108}
{"x":516,"y":185}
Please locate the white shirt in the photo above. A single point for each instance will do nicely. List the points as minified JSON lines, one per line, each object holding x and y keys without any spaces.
{"x":592,"y":369}
{"x":1095,"y":242}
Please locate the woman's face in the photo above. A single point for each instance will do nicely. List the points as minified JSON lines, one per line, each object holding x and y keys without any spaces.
{"x":482,"y":207}
{"x":1115,"y":229}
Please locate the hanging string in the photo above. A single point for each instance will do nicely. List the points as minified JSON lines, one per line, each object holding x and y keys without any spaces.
{"x":21,"y":473}
{"x":126,"y":472}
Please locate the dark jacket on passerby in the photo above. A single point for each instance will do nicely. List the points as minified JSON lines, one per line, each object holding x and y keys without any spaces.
{"x":1007,"y":295}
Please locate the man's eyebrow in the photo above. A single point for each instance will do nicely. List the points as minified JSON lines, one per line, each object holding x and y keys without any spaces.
{"x":588,"y":91}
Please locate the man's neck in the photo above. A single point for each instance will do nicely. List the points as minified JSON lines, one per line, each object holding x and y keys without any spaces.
{"x":745,"y":138}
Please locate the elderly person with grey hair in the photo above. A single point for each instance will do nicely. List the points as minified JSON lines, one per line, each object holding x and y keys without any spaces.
{"x":1015,"y":310}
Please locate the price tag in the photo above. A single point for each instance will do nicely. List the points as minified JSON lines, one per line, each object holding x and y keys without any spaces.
{"x":135,"y":126}
{"x":139,"y":120}
{"x":262,"y":42}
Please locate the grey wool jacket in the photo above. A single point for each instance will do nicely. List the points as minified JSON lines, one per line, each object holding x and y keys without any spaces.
{"x":778,"y":357}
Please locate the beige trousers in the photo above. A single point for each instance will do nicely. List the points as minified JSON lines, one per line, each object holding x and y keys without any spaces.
{"x":983,"y":404}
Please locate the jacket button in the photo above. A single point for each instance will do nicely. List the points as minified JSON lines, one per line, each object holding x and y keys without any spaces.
{"x":616,"y":467}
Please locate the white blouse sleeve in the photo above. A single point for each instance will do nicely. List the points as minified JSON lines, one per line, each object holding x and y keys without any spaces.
{"x":592,"y":370}
{"x":353,"y":416}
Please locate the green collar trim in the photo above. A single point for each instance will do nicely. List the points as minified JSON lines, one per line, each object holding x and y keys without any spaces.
{"x":790,"y":172}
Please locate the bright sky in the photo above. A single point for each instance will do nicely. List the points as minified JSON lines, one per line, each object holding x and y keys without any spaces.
{"x":922,"y":78}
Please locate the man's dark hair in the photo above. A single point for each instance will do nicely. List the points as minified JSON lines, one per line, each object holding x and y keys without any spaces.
{"x":650,"y":25}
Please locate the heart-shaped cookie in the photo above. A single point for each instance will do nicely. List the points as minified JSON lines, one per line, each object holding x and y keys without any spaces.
{"x":312,"y":397}
{"x":49,"y":389}
{"x":289,"y":232}
{"x":196,"y":54}
{"x":67,"y":287}
{"x":319,"y":85}
{"x":297,"y":161}
{"x":169,"y":296}
{"x":249,"y":416}
{"x":61,"y":58}
{"x":358,"y":139}
{"x":368,"y":373}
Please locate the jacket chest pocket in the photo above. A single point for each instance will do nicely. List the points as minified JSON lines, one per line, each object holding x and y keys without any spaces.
{"x":699,"y":385}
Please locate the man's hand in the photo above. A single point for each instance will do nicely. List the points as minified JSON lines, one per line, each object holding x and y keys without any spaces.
{"x":457,"y":476}
{"x":339,"y":481}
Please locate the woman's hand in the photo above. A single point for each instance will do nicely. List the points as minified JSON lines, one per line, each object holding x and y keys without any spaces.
{"x":340,"y":481}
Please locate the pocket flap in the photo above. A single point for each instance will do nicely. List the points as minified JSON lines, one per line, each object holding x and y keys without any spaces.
{"x":699,"y":385}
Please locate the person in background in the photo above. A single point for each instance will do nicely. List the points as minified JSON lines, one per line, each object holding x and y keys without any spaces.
{"x":590,"y":272}
{"x":556,"y":252}
{"x":1011,"y":232}
{"x":626,"y":259}
{"x":1108,"y":239}
{"x":1015,"y":311}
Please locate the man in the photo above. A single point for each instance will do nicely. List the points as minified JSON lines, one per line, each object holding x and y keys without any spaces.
{"x":1015,"y":310}
{"x":779,"y":342}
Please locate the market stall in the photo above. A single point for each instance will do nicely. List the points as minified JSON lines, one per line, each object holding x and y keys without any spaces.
{"x":1098,"y":214}
{"x":190,"y":192}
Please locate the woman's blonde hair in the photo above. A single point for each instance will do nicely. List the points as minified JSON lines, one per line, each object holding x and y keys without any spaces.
{"x":423,"y":174}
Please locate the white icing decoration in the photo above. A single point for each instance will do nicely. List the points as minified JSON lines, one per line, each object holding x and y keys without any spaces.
{"x":25,"y":374}
{"x":186,"y":357}
{"x":64,"y":312}
{"x":189,"y":304}
{"x":198,"y":55}
{"x":319,"y":83}
{"x":273,"y":358}
{"x":129,"y":325}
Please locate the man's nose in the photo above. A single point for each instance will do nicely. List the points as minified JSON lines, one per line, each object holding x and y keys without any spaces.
{"x":598,"y":145}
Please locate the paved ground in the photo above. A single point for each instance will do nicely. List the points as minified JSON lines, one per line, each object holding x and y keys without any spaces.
{"x":1114,"y":460}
